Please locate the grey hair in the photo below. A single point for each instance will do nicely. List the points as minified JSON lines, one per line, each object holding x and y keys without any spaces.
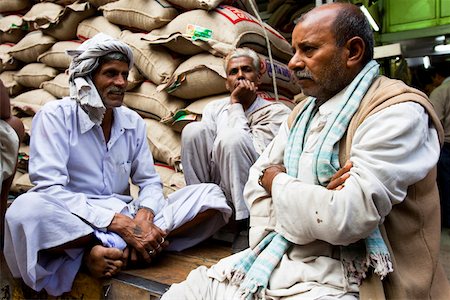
{"x":113,"y":56}
{"x":243,"y":52}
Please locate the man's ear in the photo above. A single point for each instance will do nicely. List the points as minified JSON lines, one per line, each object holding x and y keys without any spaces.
{"x":356,"y":48}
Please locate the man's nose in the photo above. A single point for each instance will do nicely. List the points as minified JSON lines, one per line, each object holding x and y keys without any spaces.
{"x":296,"y":63}
{"x":121,"y":81}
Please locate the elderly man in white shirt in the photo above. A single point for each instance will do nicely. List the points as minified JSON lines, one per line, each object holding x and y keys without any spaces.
{"x":84,"y":149}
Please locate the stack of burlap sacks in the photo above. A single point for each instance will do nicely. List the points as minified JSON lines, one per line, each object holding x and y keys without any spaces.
{"x":178,"y":47}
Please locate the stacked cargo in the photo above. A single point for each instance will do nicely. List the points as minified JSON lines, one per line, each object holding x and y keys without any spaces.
{"x":178,"y":47}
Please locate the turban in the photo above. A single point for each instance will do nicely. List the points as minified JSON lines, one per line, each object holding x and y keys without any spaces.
{"x":85,"y":59}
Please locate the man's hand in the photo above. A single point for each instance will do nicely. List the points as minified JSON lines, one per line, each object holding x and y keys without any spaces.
{"x":338,"y":179}
{"x":145,"y":238}
{"x":336,"y":183}
{"x":244,"y":92}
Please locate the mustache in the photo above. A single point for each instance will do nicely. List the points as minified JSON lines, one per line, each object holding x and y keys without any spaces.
{"x":115,"y":89}
{"x":303,"y":74}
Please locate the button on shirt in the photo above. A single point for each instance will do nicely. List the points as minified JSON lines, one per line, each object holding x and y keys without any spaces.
{"x":70,"y":160}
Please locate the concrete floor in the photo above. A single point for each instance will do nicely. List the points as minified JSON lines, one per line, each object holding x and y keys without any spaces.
{"x":445,"y":250}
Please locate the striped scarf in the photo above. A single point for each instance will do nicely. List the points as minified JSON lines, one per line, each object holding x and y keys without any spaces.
{"x":252,"y":273}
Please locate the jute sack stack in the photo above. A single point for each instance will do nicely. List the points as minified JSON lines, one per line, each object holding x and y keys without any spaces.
{"x":31,"y":46}
{"x":13,"y":87}
{"x":33,"y":74}
{"x":150,"y":103}
{"x":156,"y":63}
{"x":144,"y":15}
{"x":164,"y":143}
{"x":218,"y":31}
{"x":56,"y":56}
{"x":282,"y":99}
{"x":98,"y":3}
{"x":12,"y":29}
{"x":93,"y":25}
{"x":7,"y":62}
{"x":58,"y":86}
{"x":135,"y":78}
{"x":42,"y":14}
{"x":193,"y":112}
{"x":199,"y":76}
{"x":14,"y":6}
{"x":30,"y":102}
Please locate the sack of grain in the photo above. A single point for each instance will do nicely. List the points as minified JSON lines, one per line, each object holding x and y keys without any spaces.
{"x":219,"y":31}
{"x":271,"y":97}
{"x":164,"y":143}
{"x":7,"y":62}
{"x":193,"y":112}
{"x":150,"y":103}
{"x":12,"y":29}
{"x":135,"y":78}
{"x":31,"y":46}
{"x":42,"y":14}
{"x":93,"y":25}
{"x":287,"y":84}
{"x":56,"y":55}
{"x":58,"y":86}
{"x":155,"y":62}
{"x":144,"y":15}
{"x":30,"y":102}
{"x":9,"y":6}
{"x":13,"y":87}
{"x":98,"y":3}
{"x":65,"y":28}
{"x":199,"y":76}
{"x":33,"y":74}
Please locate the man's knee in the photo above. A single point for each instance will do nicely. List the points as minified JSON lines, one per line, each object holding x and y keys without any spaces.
{"x":28,"y":207}
{"x":234,"y":140}
{"x":17,"y":125}
{"x":193,"y":131}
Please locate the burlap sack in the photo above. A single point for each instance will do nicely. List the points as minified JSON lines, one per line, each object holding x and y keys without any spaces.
{"x":135,"y":78}
{"x":13,"y":87}
{"x":139,"y":14}
{"x":21,"y":184}
{"x":287,"y":83}
{"x":155,"y":62}
{"x":199,"y":76}
{"x":30,"y":102}
{"x":193,"y":112}
{"x":164,"y":143}
{"x":150,"y":103}
{"x":12,"y":29}
{"x":32,"y":75}
{"x":91,"y":26}
{"x":219,"y":31}
{"x":98,"y":3}
{"x":56,"y":55}
{"x":245,"y":5}
{"x":42,"y":14}
{"x":31,"y":46}
{"x":8,"y":6}
{"x":65,"y":28}
{"x":282,"y":99}
{"x":58,"y":86}
{"x":7,"y":62}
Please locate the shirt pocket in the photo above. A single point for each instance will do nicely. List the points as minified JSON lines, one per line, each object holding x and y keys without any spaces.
{"x":121,"y":176}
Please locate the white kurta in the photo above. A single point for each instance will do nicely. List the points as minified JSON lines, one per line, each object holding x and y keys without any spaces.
{"x":391,"y":150}
{"x":81,"y":182}
{"x":225,"y":144}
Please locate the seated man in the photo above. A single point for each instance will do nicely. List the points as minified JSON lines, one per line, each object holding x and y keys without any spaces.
{"x":378,"y":237}
{"x":11,"y":133}
{"x":232,"y":134}
{"x":84,"y":149}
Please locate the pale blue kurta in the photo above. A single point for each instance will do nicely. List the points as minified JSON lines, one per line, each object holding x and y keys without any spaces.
{"x":81,"y":182}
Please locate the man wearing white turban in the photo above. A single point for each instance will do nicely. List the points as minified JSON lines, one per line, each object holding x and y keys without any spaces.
{"x":80,"y":212}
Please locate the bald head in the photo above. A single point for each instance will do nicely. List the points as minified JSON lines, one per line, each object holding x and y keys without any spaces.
{"x":347,"y":21}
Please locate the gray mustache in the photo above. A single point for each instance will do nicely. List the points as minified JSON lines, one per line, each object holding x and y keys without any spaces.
{"x":303,"y":74}
{"x":115,"y":89}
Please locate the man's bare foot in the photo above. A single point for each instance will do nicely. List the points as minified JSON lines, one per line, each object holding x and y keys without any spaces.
{"x":104,"y":262}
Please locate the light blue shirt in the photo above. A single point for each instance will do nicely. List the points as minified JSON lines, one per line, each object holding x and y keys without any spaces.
{"x":70,"y":160}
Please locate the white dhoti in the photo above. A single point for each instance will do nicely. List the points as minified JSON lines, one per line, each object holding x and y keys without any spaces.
{"x":36,"y":221}
{"x":224,"y":159}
